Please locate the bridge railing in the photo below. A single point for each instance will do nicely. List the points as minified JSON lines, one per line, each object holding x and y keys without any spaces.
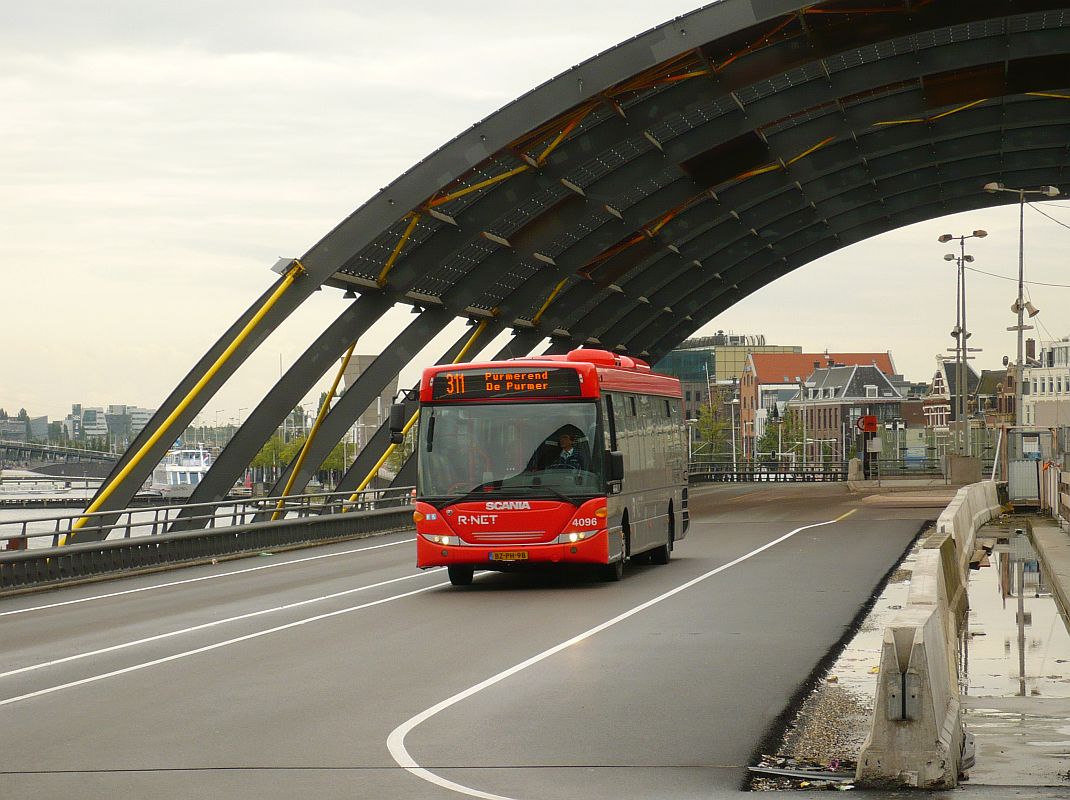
{"x":156,"y":520}
{"x":720,"y":472}
{"x":46,"y":567}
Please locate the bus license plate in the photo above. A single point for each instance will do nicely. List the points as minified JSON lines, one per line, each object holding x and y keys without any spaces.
{"x":509,"y":555}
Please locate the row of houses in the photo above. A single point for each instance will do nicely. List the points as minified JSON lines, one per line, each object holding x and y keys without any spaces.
{"x":830,"y":392}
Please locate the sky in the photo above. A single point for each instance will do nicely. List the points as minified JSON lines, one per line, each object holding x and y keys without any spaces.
{"x":158,"y":158}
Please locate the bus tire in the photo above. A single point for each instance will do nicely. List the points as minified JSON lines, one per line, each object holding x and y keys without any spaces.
{"x":461,"y":574}
{"x":662,"y":554}
{"x":611,"y":573}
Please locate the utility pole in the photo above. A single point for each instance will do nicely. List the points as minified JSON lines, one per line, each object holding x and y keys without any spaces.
{"x":1019,"y":306}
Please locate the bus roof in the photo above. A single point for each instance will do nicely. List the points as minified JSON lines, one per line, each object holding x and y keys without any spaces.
{"x":597,"y":371}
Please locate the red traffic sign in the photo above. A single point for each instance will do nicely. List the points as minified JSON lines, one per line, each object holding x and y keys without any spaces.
{"x":867,"y":424}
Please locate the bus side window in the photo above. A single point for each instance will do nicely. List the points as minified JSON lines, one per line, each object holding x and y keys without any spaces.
{"x":611,"y":422}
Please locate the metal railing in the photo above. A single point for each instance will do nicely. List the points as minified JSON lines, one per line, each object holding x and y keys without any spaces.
{"x":158,"y":520}
{"x":46,"y":567}
{"x":720,"y":472}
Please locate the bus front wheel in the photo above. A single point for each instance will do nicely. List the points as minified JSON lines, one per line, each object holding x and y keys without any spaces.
{"x":461,"y":574}
{"x":615,"y":571}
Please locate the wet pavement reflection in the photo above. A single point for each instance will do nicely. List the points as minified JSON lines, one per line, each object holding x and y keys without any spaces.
{"x":1014,"y":653}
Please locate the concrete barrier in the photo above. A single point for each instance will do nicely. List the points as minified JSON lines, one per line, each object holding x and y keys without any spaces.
{"x":917,"y":734}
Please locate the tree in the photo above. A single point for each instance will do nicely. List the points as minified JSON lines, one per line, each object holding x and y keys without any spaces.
{"x":24,"y":415}
{"x":3,"y":414}
{"x":783,"y":434}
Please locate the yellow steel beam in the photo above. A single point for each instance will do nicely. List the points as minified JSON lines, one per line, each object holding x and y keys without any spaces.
{"x":475,"y":187}
{"x":160,"y":432}
{"x":324,"y":408}
{"x":389,"y":265}
{"x":550,"y":299}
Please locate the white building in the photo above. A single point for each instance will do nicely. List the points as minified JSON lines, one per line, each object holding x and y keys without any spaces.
{"x":1046,"y":386}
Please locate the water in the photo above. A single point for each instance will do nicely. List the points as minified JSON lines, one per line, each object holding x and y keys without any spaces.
{"x":1001,"y":658}
{"x":1016,"y":697}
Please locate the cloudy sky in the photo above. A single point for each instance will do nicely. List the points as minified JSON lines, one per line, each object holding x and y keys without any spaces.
{"x":157,"y":158}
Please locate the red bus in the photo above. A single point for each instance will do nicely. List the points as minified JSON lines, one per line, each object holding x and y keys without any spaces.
{"x":579,"y":458}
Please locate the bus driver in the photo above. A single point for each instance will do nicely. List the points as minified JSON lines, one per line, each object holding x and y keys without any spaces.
{"x":569,"y":457}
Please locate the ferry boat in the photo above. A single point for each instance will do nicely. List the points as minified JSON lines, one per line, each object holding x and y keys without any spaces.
{"x":178,"y":474}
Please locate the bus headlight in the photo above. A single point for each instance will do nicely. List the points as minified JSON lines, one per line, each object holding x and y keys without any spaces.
{"x":441,"y":538}
{"x":575,"y":536}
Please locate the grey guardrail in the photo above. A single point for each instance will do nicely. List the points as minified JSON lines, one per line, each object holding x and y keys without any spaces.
{"x":52,"y":566}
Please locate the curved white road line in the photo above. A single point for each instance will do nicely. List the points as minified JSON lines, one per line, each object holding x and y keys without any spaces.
{"x":202,"y":578}
{"x":396,"y":741}
{"x":207,"y":648}
{"x":212,"y":624}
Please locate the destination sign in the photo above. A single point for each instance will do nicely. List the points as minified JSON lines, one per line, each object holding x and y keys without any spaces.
{"x":505,"y":383}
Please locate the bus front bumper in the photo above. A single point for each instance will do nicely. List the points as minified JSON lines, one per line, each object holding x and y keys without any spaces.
{"x":592,"y":550}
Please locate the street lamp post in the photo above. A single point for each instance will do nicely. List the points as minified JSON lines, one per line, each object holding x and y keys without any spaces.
{"x":1019,"y":306}
{"x":735,"y":402}
{"x":961,"y":334}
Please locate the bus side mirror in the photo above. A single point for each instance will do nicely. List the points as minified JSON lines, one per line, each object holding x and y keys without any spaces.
{"x":397,"y":423}
{"x":614,"y":466}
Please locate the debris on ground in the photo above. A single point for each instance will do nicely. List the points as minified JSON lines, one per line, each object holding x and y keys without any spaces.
{"x":819,"y":748}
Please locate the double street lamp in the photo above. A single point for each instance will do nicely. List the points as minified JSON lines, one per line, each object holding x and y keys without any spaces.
{"x":1019,"y":306}
{"x":960,"y":334}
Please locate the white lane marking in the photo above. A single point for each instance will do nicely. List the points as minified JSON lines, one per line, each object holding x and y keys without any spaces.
{"x":207,"y":648}
{"x":206,"y":625}
{"x":395,"y":742}
{"x":203,"y":578}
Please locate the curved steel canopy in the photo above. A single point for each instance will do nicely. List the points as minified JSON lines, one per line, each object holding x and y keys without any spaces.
{"x":631,"y":199}
{"x":634,"y":197}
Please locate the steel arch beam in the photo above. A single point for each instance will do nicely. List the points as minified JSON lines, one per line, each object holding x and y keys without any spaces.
{"x":362,"y":393}
{"x":123,"y":492}
{"x":684,"y":151}
{"x":265,"y":419}
{"x":893,"y":206}
{"x":658,"y":279}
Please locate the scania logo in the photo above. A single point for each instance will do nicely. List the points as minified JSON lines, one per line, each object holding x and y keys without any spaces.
{"x":500,"y":505}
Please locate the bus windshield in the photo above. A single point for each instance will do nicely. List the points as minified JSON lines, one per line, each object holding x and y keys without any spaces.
{"x":546,"y":450}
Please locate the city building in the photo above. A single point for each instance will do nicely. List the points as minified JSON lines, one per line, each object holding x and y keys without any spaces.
{"x":986,"y":400}
{"x":377,"y":412}
{"x":126,"y":422}
{"x":938,"y":405}
{"x":38,"y":429}
{"x":835,"y":398}
{"x":770,"y":379}
{"x":696,"y":371}
{"x":1046,"y":386}
{"x":13,"y":429}
{"x":85,"y":422}
{"x":731,"y":350}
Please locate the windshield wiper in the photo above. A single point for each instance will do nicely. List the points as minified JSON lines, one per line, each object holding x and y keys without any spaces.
{"x":480,"y":493}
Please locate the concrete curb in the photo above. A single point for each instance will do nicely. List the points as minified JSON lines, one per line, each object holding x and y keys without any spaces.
{"x":917,"y":734}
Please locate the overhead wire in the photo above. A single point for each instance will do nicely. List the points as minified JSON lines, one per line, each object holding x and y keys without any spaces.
{"x":1049,"y":216}
{"x":1011,"y":278}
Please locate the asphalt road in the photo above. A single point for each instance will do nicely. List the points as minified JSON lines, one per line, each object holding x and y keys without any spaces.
{"x":314,"y":673}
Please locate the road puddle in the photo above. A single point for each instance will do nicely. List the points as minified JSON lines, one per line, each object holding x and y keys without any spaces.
{"x":1000,"y":657}
{"x":1015,"y":652}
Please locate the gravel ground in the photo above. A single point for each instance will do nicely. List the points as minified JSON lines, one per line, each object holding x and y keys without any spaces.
{"x":831,"y":725}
